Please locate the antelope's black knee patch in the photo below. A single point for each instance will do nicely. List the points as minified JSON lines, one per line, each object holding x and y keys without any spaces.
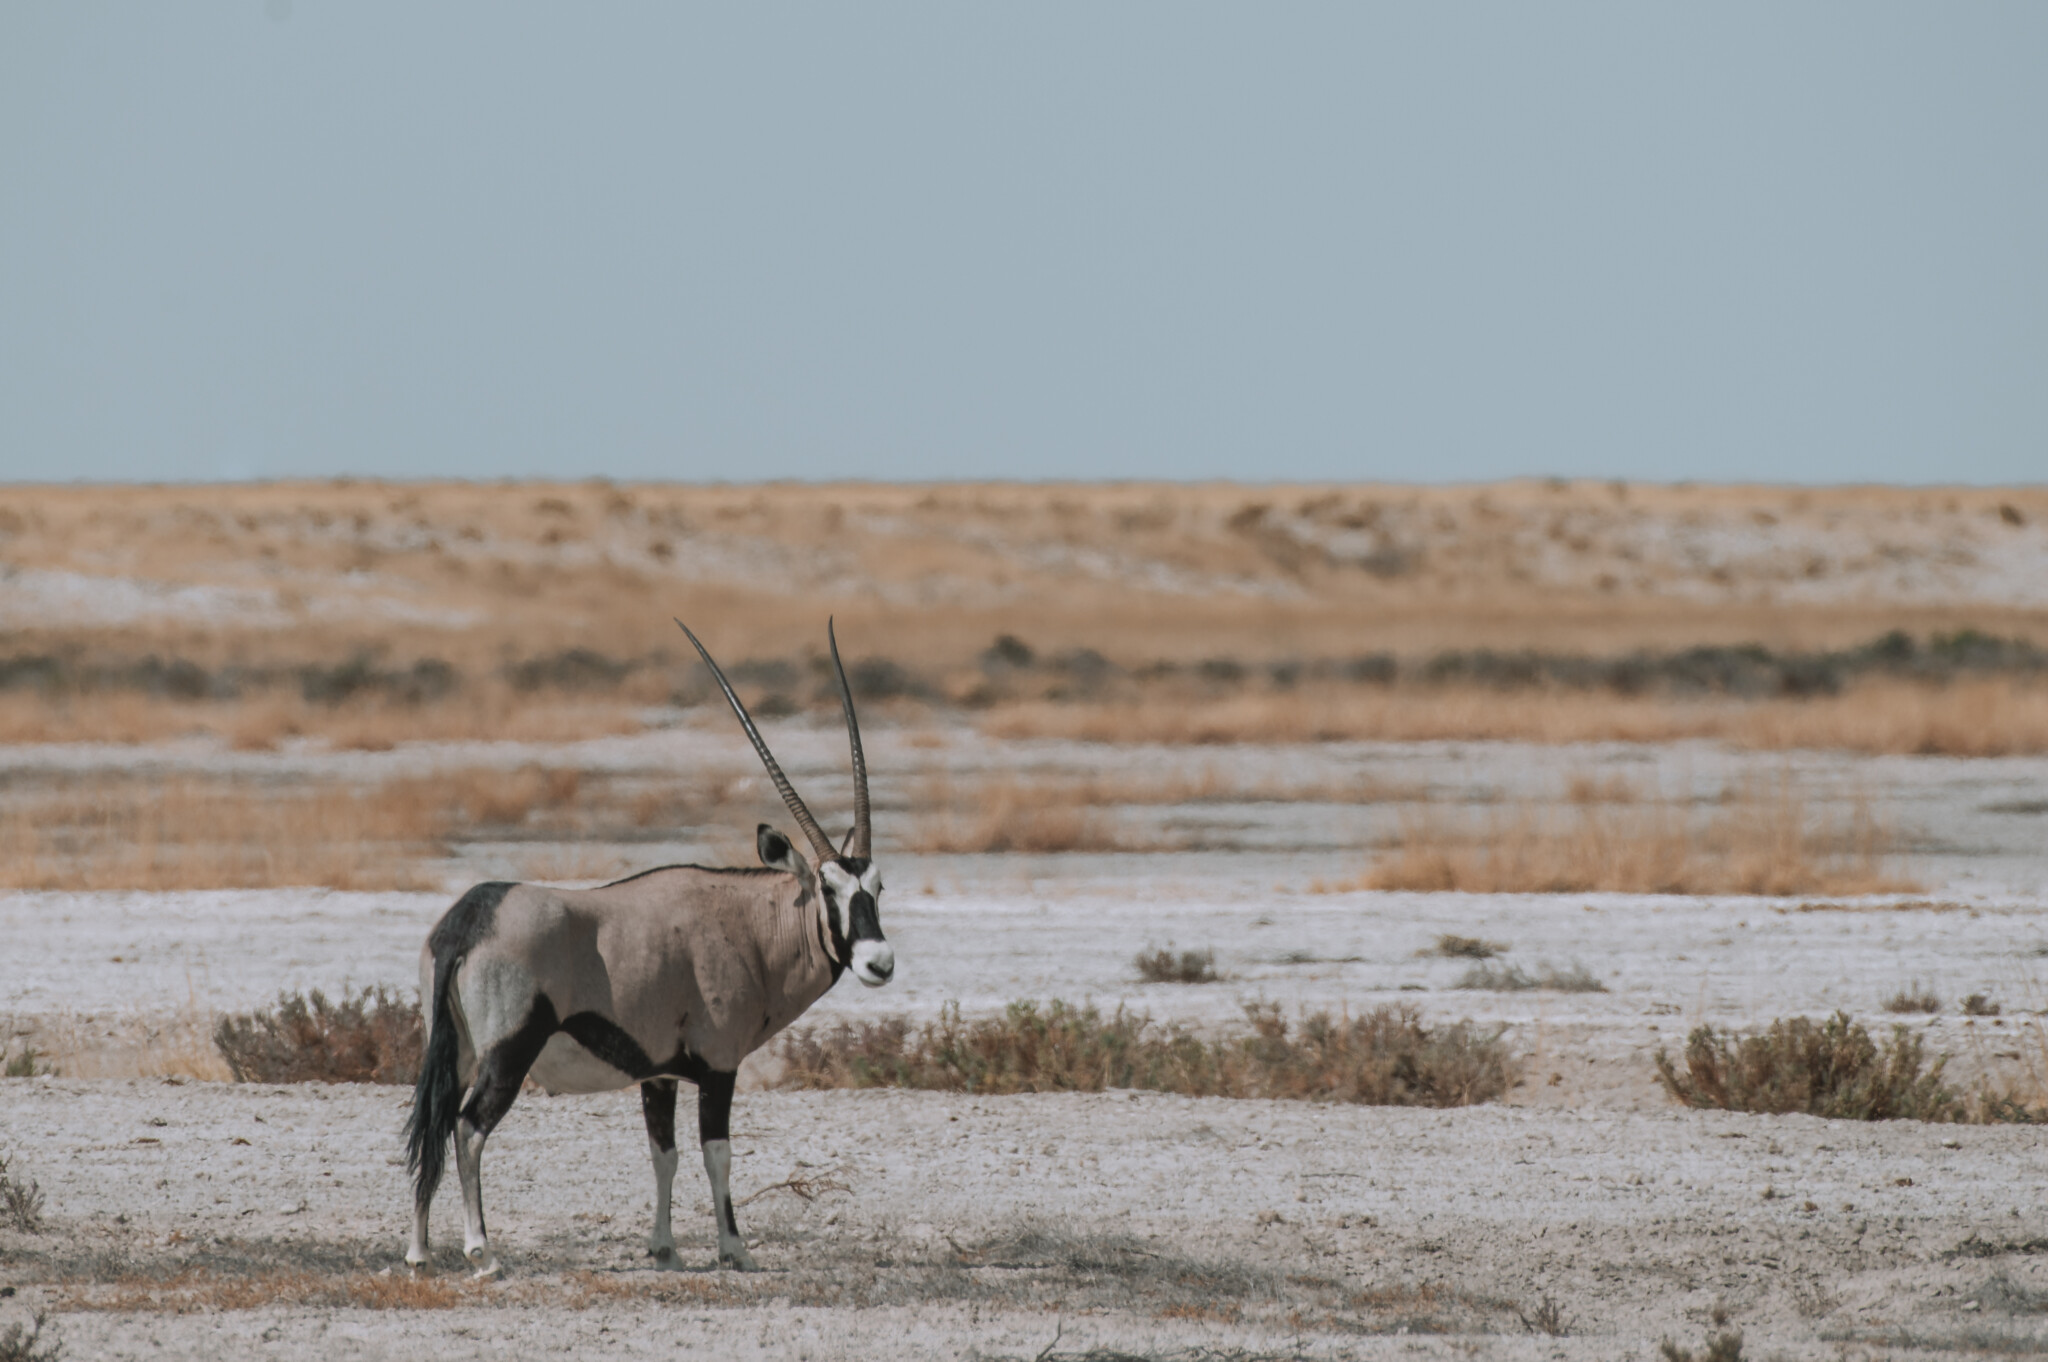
{"x":658,"y":1106}
{"x":503,"y":1068}
{"x":714,"y":1106}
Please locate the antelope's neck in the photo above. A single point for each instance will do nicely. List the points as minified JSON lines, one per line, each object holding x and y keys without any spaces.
{"x":795,"y":953}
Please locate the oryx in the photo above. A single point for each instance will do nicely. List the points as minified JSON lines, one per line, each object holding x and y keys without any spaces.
{"x":676,"y":973}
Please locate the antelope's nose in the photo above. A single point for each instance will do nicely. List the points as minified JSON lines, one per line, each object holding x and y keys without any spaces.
{"x":874,"y":962}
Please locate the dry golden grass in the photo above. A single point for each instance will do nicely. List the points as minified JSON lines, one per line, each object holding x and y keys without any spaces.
{"x":1007,"y":814}
{"x":1760,"y":840}
{"x":128,"y":832}
{"x":1973,"y":718}
{"x":1011,"y":813}
{"x":486,"y":712}
{"x":194,"y":834}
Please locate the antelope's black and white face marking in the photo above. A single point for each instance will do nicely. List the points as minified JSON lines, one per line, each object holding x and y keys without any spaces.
{"x":851,"y":888}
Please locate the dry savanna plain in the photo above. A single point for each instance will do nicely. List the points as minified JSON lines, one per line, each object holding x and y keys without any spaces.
{"x":1535,"y":920}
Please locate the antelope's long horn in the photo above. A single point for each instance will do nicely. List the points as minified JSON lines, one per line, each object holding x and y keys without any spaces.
{"x":863,"y":843}
{"x":820,"y":843}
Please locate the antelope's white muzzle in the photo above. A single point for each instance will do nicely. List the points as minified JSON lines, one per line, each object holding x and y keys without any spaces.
{"x":873,"y":962}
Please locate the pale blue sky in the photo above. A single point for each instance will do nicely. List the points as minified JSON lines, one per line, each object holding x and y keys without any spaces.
{"x":1799,"y":242}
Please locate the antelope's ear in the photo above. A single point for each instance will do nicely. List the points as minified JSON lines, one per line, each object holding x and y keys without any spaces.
{"x":847,"y":840}
{"x":776,"y":851}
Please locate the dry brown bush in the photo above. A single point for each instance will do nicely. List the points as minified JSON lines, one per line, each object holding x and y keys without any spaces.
{"x":1385,"y":1057}
{"x":1454,"y":947}
{"x":1761,"y":840}
{"x":1913,"y":1000}
{"x":1188,"y":967}
{"x":21,"y":1200}
{"x":1833,"y":1070}
{"x":373,"y":1037}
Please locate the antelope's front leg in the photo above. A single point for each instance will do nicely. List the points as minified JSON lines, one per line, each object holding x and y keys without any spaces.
{"x":658,"y":1106}
{"x":714,"y":1128}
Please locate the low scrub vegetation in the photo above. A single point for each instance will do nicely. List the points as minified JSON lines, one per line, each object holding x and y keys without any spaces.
{"x":1515,"y":979}
{"x":1833,"y":1069}
{"x":1384,"y":1057}
{"x":1913,"y":999}
{"x":24,"y":1342}
{"x":1760,"y":839}
{"x":372,"y":1037}
{"x":1188,"y":967}
{"x":1724,"y":1346}
{"x":27,"y":1062}
{"x":21,"y":1200}
{"x":1454,"y":947}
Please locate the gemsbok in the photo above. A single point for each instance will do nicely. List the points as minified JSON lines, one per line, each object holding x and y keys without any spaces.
{"x":676,"y":973}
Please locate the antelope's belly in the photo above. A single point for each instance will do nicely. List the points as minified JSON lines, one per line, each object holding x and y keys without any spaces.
{"x":565,"y":1066}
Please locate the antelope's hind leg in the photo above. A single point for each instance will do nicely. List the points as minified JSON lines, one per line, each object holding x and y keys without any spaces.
{"x":502,"y":1070}
{"x":714,"y":1129}
{"x":658,"y":1106}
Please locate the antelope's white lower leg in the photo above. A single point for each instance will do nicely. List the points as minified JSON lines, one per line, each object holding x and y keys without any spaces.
{"x":418,"y":1256}
{"x":469,"y":1158}
{"x":661,"y":1245}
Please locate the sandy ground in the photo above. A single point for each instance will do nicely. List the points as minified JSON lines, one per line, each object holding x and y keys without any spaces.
{"x":1146,"y":1223}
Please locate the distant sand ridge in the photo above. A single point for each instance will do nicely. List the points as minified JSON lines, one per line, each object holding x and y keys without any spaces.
{"x":930,"y":574}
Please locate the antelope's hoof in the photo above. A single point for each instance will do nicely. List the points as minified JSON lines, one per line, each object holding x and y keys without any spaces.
{"x":484,"y":1265}
{"x":422,"y":1267}
{"x":735,"y":1256}
{"x":665,"y":1259}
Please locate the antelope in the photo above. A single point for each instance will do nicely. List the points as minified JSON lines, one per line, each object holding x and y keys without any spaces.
{"x":676,"y":973}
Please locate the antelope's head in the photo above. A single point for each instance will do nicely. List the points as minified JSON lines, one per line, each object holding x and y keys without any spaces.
{"x":849,"y":882}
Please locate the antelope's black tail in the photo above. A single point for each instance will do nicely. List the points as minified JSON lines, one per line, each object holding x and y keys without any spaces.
{"x":437,"y":1095}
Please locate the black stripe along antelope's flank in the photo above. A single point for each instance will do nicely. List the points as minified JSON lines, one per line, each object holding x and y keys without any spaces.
{"x":676,"y":973}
